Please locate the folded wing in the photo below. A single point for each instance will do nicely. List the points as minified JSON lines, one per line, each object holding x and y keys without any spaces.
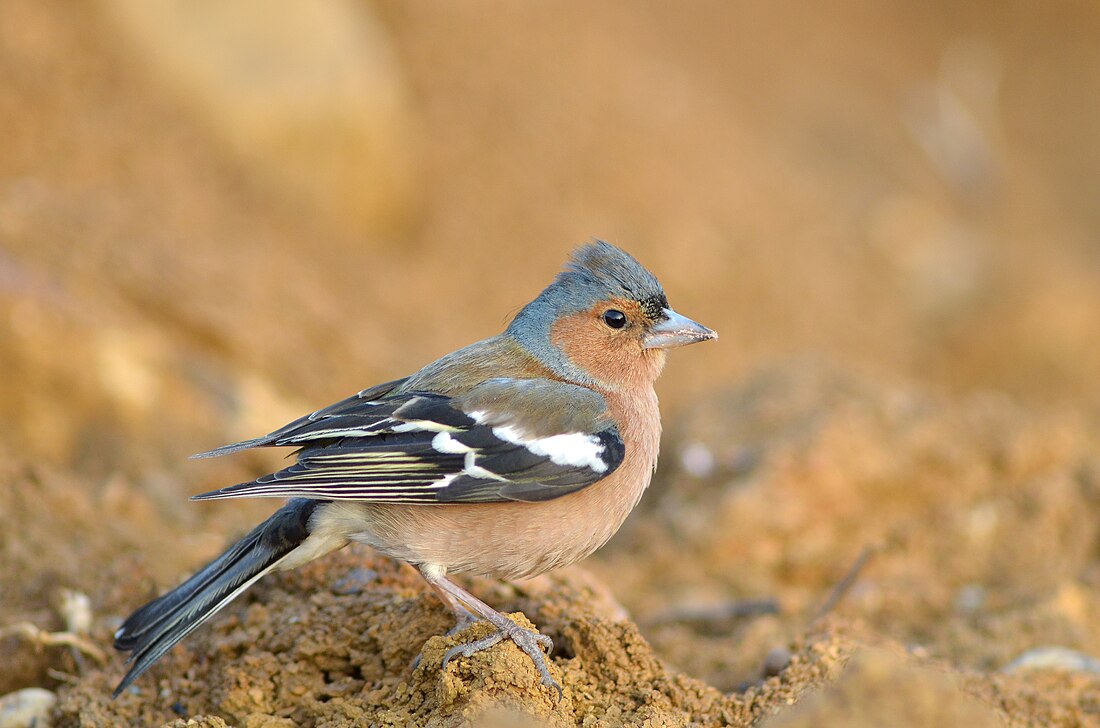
{"x":504,"y":440}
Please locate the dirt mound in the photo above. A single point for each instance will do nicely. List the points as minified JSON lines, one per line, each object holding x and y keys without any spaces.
{"x":981,"y":528}
{"x":332,"y":645}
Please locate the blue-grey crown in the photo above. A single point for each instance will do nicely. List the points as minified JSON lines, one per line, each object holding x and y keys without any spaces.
{"x":596,"y":272}
{"x":609,"y":271}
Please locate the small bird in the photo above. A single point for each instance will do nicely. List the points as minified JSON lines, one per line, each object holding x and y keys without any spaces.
{"x":507,"y":458}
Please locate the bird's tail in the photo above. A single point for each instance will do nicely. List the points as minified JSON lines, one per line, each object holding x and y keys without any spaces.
{"x":155,"y":628}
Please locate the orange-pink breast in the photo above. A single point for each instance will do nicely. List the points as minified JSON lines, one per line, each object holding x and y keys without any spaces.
{"x":519,"y":540}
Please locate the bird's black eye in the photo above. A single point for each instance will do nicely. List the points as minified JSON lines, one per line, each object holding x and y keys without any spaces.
{"x":614,"y":318}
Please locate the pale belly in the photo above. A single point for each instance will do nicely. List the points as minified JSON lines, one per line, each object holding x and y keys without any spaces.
{"x":502,"y":540}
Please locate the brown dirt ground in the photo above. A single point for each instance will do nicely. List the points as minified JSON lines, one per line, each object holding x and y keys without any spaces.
{"x":973,"y":512}
{"x":907,"y":192}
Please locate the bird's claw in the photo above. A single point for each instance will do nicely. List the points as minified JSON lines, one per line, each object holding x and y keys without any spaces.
{"x":471,"y":648}
{"x":527,"y":640}
{"x":462,"y":621}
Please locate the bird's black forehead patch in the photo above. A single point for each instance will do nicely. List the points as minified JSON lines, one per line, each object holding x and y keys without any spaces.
{"x":653,"y":307}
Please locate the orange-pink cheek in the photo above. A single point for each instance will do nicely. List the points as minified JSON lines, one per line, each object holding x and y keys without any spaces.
{"x":613,"y":363}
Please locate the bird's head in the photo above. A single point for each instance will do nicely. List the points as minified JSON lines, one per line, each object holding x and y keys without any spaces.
{"x":604,"y":321}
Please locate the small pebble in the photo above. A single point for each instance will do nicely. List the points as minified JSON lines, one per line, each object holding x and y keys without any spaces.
{"x":1053,"y":658}
{"x":76,"y":610}
{"x":697,"y":460}
{"x":355,"y":581}
{"x":776,"y":661}
{"x":27,"y":708}
{"x":970,"y":599}
{"x":746,"y":460}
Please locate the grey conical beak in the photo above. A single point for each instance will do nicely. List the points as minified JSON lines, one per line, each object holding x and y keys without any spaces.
{"x":676,"y":330}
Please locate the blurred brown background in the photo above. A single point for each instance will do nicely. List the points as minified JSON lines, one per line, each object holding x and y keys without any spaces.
{"x":211,"y":217}
{"x":216,"y":217}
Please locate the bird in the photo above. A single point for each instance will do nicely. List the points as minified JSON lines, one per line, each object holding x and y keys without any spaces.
{"x":515,"y":455}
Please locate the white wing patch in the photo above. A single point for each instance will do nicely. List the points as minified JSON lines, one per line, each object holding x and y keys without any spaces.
{"x":443,"y":442}
{"x":444,"y":481}
{"x":573,"y":448}
{"x":471,"y":468}
{"x":418,"y":426}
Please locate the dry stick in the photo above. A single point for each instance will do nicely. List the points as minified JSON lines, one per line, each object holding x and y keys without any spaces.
{"x":62,"y":676}
{"x":41,"y":637}
{"x":755,"y":607}
{"x":715,"y":614}
{"x":844,"y":585}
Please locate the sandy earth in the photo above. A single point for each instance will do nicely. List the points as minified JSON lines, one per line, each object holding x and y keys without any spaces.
{"x":978,"y":554}
{"x":879,"y":495}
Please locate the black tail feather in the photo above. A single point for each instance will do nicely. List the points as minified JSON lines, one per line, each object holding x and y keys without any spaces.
{"x":159,"y":625}
{"x":235,"y":447}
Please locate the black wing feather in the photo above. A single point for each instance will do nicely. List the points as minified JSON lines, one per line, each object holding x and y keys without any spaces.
{"x":417,"y":447}
{"x":350,"y":412}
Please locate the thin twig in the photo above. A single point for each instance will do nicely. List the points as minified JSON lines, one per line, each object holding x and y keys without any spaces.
{"x":711,"y":615}
{"x":41,"y":637}
{"x":844,"y":585}
{"x":62,"y":676}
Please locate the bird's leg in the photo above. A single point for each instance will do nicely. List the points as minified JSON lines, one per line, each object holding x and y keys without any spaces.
{"x":463,"y":616}
{"x":527,"y":640}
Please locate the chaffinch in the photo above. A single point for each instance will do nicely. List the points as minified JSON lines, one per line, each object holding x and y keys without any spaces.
{"x":512,"y":456}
